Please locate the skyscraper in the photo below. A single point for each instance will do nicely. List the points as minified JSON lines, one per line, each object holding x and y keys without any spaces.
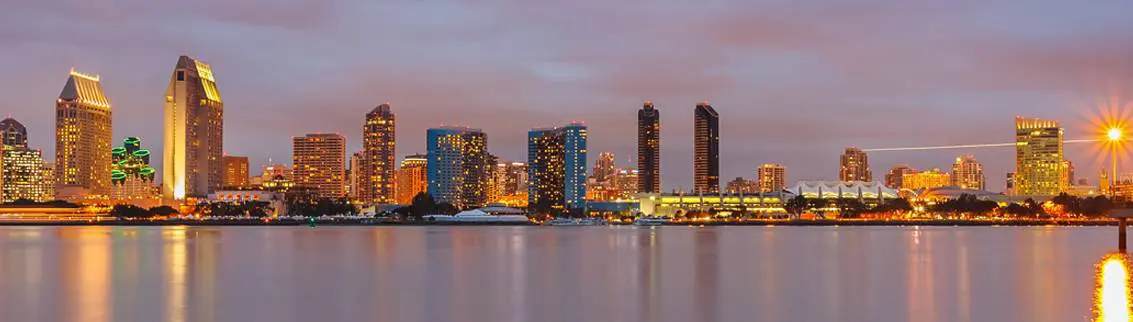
{"x":855,"y":166}
{"x":376,"y":180}
{"x":556,"y":159}
{"x":14,"y":136}
{"x":455,"y":168}
{"x":648,"y":149}
{"x":772,"y":177}
{"x":235,"y":171}
{"x":967,"y":173}
{"x":706,"y":156}
{"x":23,"y":173}
{"x":1039,"y":169}
{"x":354,"y":177}
{"x":194,"y":132}
{"x":412,"y":178}
{"x":82,"y":136}
{"x":319,"y":161}
{"x":604,"y":167}
{"x":895,"y":178}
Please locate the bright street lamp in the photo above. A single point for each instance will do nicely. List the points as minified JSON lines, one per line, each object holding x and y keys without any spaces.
{"x":1114,"y":134}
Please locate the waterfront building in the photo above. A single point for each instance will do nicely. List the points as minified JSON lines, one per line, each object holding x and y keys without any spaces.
{"x":82,"y":136}
{"x":132,"y":177}
{"x":771,"y":177}
{"x":854,"y":166}
{"x":377,"y":165}
{"x":556,"y":159}
{"x":510,"y":184}
{"x":412,"y":178}
{"x":648,"y":149}
{"x":320,"y":163}
{"x":967,"y":173}
{"x":1039,"y":166}
{"x":235,"y":171}
{"x":893,"y":178}
{"x":934,"y":178}
{"x":868,"y":192}
{"x":706,"y":154}
{"x":741,"y":185}
{"x":456,"y":166}
{"x":194,"y":132}
{"x":723,"y":204}
{"x":274,"y":199}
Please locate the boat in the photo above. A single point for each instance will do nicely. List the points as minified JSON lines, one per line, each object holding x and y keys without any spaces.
{"x":650,"y":221}
{"x":576,"y":222}
{"x":483,"y":215}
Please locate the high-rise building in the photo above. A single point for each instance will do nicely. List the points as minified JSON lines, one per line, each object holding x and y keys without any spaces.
{"x":193,"y":162}
{"x":377,"y":166}
{"x":894,"y":178}
{"x":604,"y":169}
{"x":1104,"y":183}
{"x":771,"y":177}
{"x":967,"y":173}
{"x":13,"y":135}
{"x":648,"y":149}
{"x":82,"y":135}
{"x":354,"y":177}
{"x":455,"y":168}
{"x":319,"y":161}
{"x":1009,"y":185}
{"x":1039,"y":167}
{"x":1067,"y":173}
{"x":23,"y":176}
{"x":741,"y":185}
{"x":510,"y":183}
{"x":412,"y":178}
{"x":132,"y":176}
{"x":855,"y":166}
{"x":556,"y":159}
{"x":235,"y":171}
{"x":934,"y":178}
{"x":706,"y":155}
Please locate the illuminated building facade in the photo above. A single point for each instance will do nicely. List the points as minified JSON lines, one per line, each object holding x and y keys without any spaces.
{"x":556,"y":159}
{"x":648,"y":149}
{"x":412,"y":178}
{"x":456,"y":166}
{"x":854,"y":166}
{"x":706,"y":154}
{"x":934,"y":178}
{"x":319,"y":161}
{"x":652,"y":204}
{"x":510,"y":184}
{"x":132,"y":176}
{"x":740,"y":185}
{"x":967,"y":173}
{"x":235,"y":171}
{"x":895,"y":177}
{"x":377,"y":166}
{"x":82,"y":135}
{"x":354,"y":177}
{"x":1039,"y":166}
{"x":193,"y":164}
{"x":22,"y":174}
{"x":771,"y":177}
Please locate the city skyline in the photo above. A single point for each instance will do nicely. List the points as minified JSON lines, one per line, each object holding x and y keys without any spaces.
{"x":1055,"y":78}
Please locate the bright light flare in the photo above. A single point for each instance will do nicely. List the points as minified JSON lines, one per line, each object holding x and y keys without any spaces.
{"x":1111,"y":302}
{"x":1114,"y":134}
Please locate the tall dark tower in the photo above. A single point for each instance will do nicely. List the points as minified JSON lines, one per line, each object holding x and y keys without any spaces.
{"x":706,"y":157}
{"x":648,"y":149}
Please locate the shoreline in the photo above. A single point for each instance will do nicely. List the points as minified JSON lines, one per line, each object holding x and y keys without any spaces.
{"x":765,"y":223}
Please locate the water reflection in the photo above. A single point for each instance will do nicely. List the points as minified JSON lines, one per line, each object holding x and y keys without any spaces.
{"x":1111,"y":302}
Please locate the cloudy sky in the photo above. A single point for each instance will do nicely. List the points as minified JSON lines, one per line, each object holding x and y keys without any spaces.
{"x":794,"y":81}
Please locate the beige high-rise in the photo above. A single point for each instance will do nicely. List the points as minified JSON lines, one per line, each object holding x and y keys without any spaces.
{"x":194,"y":132}
{"x":320,"y":162}
{"x":83,"y":131}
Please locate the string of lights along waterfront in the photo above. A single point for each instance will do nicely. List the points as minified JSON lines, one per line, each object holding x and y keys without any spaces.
{"x":457,"y":167}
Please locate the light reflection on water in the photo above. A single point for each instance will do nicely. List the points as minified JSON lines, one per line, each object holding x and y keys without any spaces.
{"x":282,"y":274}
{"x":1111,"y":302}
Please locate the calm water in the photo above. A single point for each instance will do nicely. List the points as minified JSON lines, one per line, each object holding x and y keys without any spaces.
{"x":549,"y":274}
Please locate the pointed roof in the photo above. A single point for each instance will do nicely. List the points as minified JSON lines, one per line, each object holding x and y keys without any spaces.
{"x":85,"y":89}
{"x":203,"y":72}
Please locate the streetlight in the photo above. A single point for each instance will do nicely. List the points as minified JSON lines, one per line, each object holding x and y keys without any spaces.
{"x":1114,"y":136}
